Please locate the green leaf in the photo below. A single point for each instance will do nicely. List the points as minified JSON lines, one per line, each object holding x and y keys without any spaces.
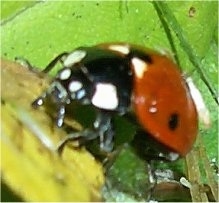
{"x":10,"y":9}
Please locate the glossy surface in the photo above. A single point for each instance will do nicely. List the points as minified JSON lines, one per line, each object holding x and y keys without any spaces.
{"x":115,"y":78}
{"x":164,"y":106}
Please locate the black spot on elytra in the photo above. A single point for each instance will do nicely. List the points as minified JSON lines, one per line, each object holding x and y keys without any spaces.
{"x":173,"y":121}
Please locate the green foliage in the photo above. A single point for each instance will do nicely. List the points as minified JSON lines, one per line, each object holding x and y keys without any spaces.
{"x":40,"y":30}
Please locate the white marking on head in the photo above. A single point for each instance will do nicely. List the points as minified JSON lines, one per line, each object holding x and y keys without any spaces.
{"x":74,"y":86}
{"x":139,"y":66}
{"x":65,"y":74}
{"x":74,"y":57}
{"x":124,"y":49}
{"x":105,"y":96}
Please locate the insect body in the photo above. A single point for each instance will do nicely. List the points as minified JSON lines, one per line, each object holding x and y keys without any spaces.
{"x":119,"y":78}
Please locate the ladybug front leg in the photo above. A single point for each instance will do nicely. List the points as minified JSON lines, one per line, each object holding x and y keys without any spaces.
{"x":58,"y":95}
{"x":60,"y":108}
{"x":24,"y":62}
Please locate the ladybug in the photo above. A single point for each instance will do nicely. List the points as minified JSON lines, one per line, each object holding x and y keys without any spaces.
{"x":119,"y":78}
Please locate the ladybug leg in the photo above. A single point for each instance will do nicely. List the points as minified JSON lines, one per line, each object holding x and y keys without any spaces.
{"x":59,"y":96}
{"x":102,"y":128}
{"x":80,"y":137}
{"x":52,"y":64}
{"x":24,"y":62}
{"x":60,"y":115}
{"x":103,"y":124}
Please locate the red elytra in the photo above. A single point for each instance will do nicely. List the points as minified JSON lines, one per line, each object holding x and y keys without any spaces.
{"x":160,"y":93}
